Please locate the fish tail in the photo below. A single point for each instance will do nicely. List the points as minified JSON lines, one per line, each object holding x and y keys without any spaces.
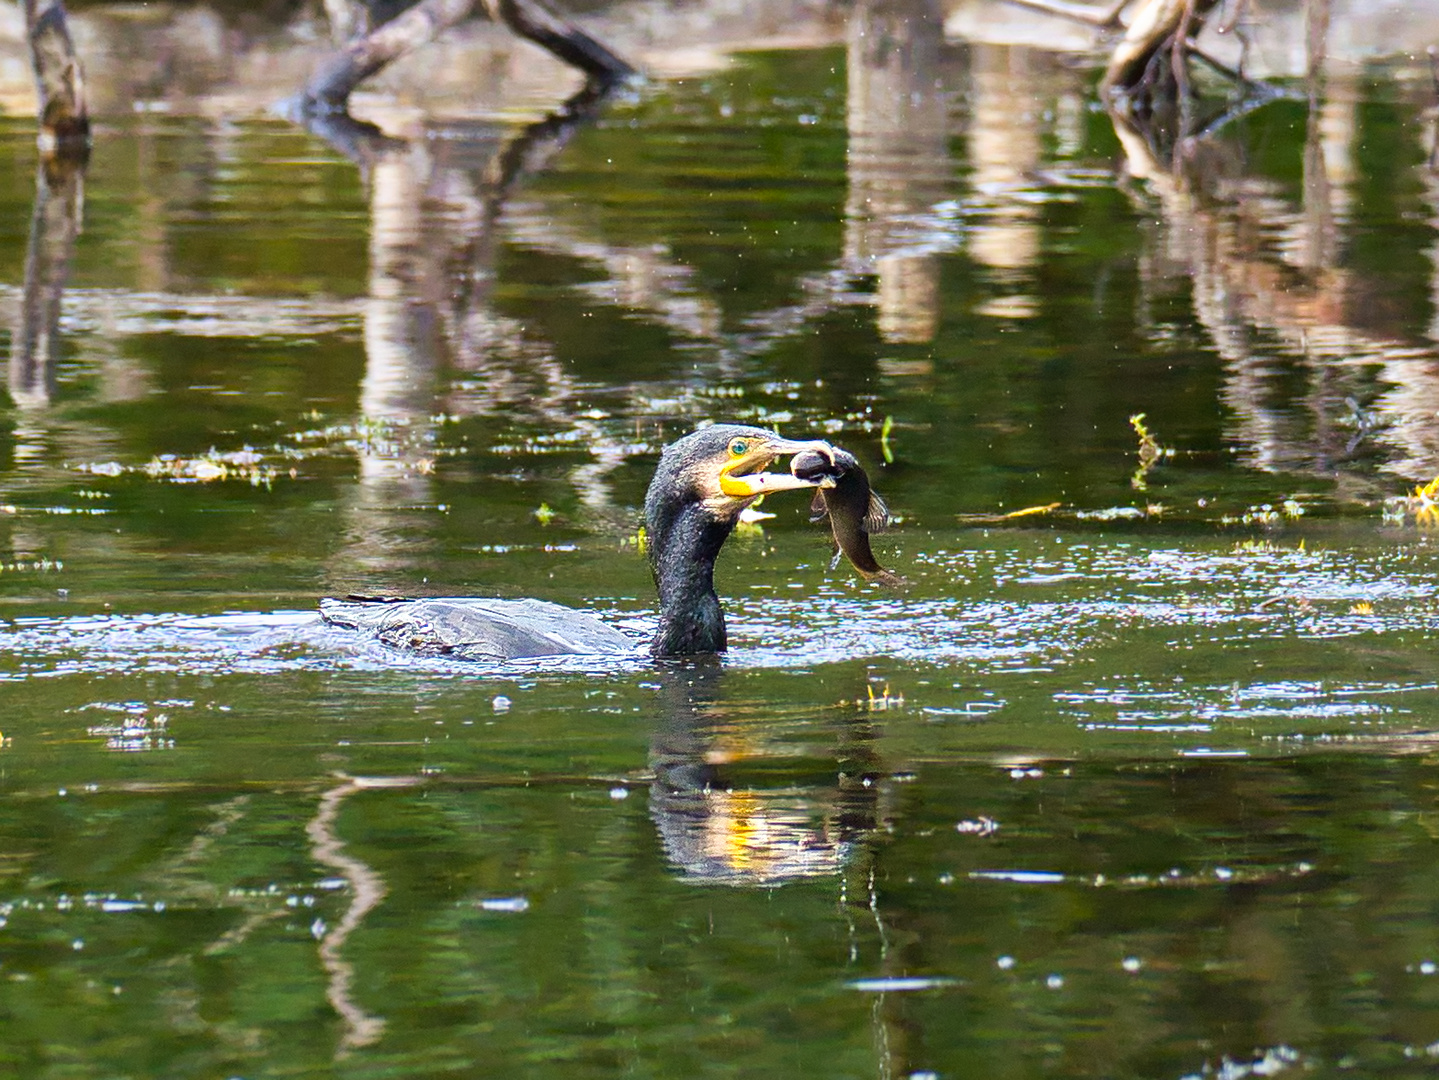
{"x":888,"y":578}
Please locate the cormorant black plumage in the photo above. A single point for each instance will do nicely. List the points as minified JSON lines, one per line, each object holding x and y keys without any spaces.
{"x":701,"y":485}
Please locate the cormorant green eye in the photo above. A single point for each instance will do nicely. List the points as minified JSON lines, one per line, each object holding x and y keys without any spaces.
{"x":739,"y":448}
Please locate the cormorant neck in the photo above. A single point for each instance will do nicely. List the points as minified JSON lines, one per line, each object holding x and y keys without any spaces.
{"x":683,"y":549}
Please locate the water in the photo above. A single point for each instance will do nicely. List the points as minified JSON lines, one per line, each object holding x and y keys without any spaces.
{"x":1140,"y":785}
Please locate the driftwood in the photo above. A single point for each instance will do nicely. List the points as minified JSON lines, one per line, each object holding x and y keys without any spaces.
{"x":1156,"y":28}
{"x":533,"y":20}
{"x":59,"y":84}
{"x":330,"y":87}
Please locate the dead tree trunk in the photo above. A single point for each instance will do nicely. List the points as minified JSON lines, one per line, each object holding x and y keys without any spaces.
{"x":330,"y":88}
{"x":64,"y":122}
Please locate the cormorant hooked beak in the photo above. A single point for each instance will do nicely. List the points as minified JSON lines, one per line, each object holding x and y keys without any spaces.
{"x":743,"y":475}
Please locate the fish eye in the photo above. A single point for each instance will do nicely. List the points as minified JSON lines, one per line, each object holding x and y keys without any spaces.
{"x":739,"y":448}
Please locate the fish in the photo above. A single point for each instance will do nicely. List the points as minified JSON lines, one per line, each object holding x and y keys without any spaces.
{"x":853,"y":507}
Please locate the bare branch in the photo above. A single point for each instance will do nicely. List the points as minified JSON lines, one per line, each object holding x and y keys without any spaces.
{"x":330,"y":87}
{"x":532,"y":19}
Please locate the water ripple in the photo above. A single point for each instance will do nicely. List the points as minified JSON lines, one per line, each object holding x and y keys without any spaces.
{"x":987,"y":610}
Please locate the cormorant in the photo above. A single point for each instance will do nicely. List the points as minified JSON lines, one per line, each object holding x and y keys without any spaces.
{"x":700,"y":486}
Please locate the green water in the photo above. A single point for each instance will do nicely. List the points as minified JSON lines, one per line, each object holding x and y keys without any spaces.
{"x":1144,"y":786}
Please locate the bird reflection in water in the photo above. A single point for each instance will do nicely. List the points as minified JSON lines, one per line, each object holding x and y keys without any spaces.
{"x":716,"y":825}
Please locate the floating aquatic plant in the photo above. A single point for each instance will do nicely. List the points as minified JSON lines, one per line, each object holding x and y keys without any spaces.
{"x":1422,"y":506}
{"x":1150,"y":452}
{"x":245,"y":464}
{"x":885,"y":700}
{"x":39,"y":566}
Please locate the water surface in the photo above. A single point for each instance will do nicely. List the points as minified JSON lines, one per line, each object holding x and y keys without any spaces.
{"x":1139,"y":786}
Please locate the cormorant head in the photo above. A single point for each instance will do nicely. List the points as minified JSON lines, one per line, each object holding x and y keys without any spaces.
{"x":702,"y":483}
{"x":721,"y":470}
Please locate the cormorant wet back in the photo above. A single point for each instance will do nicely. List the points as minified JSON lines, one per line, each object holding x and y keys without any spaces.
{"x":702,"y":483}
